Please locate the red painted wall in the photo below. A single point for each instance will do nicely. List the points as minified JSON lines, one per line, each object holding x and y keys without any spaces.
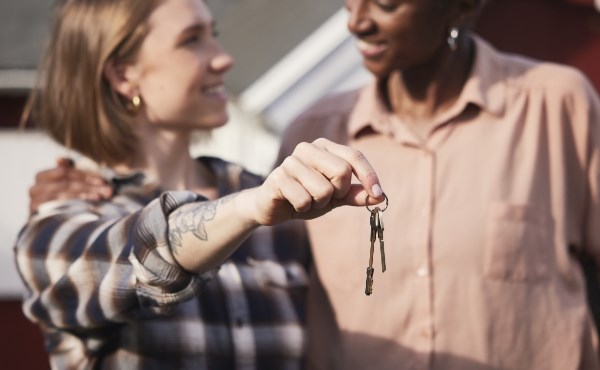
{"x":11,"y":107}
{"x":564,"y":31}
{"x":21,"y":343}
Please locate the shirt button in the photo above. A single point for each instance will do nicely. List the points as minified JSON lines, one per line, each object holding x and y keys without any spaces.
{"x":422,"y":271}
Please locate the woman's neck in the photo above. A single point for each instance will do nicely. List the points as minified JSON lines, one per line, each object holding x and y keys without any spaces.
{"x":420,"y":94}
{"x":165,"y":158}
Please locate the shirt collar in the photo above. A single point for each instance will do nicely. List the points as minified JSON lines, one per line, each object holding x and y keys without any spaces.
{"x":484,"y":88}
{"x":140,"y":181}
{"x":369,"y":110}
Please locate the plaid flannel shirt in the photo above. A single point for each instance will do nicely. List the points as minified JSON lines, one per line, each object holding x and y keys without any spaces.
{"x":107,"y":293}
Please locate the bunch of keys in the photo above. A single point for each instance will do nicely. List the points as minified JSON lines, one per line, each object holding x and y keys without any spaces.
{"x":376,"y":221}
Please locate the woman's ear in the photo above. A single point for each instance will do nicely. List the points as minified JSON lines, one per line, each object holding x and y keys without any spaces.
{"x":120,"y":76}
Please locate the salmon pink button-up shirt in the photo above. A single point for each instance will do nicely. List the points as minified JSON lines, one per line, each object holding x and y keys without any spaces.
{"x":483,"y":212}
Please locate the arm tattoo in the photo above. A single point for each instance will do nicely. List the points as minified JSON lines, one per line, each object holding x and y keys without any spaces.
{"x":193,"y":218}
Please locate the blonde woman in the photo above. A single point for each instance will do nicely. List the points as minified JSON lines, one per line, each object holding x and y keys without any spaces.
{"x":167,"y":274}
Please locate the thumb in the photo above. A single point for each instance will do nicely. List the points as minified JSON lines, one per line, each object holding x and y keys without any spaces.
{"x":357,"y":196}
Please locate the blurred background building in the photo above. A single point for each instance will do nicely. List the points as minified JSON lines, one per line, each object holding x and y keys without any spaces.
{"x":291,"y":53}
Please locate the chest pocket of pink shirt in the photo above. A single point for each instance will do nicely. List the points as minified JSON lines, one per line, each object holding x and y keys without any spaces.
{"x":519,"y":243}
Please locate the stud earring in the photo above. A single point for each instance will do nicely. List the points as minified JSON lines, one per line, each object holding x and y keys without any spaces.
{"x":452,"y":38}
{"x":134,"y":105}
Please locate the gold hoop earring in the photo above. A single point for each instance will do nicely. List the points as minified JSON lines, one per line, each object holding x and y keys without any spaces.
{"x":135,"y":104}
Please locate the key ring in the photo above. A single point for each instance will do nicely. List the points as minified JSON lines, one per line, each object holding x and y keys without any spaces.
{"x":370,"y":210}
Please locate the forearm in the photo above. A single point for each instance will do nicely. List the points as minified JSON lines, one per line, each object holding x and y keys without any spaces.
{"x":203,"y":235}
{"x":100,"y":268}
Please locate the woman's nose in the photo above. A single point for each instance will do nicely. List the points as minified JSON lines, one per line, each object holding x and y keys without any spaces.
{"x":359,"y":21}
{"x":222,"y":62}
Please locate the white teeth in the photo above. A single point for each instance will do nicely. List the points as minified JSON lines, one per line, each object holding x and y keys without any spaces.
{"x":369,"y":47}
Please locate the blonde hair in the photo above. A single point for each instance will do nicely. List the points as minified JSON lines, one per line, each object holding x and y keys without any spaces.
{"x":73,"y":101}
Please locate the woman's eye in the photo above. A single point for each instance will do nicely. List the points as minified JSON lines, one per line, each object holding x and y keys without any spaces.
{"x":191,"y":40}
{"x":387,"y":5}
{"x":198,"y":34}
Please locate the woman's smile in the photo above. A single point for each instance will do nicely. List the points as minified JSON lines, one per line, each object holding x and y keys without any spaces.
{"x":216,"y":91}
{"x":371,"y":49}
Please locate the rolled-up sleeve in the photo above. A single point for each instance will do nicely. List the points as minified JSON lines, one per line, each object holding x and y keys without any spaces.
{"x":89,"y":265}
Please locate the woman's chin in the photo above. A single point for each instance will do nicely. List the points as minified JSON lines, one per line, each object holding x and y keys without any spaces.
{"x":212,"y":121}
{"x":377,"y":70}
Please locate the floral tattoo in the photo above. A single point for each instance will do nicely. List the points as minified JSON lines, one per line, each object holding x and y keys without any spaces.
{"x":193,"y":218}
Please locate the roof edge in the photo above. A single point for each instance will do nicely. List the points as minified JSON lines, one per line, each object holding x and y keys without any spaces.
{"x":17,"y":80}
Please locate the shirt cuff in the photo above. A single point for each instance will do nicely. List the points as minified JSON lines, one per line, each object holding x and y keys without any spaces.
{"x":160,"y":280}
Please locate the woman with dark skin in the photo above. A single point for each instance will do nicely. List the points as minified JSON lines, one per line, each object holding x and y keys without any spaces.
{"x":491,"y":164}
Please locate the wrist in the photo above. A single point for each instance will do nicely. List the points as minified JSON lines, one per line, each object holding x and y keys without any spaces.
{"x":245,"y":204}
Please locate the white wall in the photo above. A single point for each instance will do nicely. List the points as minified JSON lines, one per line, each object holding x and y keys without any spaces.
{"x":23,"y":154}
{"x":326,"y":62}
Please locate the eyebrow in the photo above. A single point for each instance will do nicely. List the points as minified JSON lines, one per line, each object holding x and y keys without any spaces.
{"x":199,"y":26}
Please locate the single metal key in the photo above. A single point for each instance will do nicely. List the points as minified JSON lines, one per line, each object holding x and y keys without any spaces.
{"x":370,"y":269}
{"x":380,"y":236}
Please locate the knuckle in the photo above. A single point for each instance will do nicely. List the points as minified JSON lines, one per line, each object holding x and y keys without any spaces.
{"x":276,"y":175}
{"x":288,"y":162}
{"x":320,"y":141}
{"x":322,"y":196}
{"x":343,"y":170}
{"x":356,"y":155}
{"x":323,"y":191}
{"x":301,"y":147}
{"x":303,"y":204}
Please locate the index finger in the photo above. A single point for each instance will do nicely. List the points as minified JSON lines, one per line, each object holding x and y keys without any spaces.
{"x":361,"y":167}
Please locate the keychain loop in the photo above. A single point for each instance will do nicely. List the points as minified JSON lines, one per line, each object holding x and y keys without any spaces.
{"x":384,"y":208}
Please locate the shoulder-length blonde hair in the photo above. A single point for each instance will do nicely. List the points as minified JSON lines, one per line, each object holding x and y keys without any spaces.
{"x":73,"y":101}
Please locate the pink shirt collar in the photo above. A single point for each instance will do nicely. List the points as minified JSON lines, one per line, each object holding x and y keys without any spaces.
{"x":484,"y":88}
